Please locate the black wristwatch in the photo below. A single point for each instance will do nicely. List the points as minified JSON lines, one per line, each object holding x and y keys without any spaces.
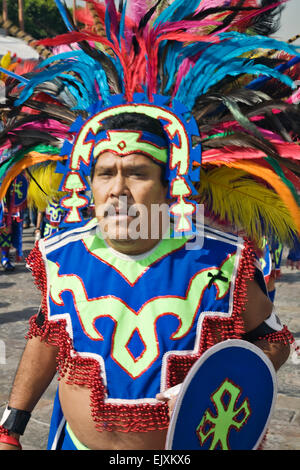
{"x":15,"y":420}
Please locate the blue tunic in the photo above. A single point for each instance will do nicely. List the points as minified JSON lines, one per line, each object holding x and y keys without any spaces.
{"x":135,"y":314}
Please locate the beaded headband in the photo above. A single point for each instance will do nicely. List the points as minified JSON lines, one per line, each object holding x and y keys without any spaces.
{"x":125,"y":142}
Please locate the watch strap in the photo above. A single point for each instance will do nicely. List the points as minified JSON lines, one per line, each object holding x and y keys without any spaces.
{"x":15,"y":420}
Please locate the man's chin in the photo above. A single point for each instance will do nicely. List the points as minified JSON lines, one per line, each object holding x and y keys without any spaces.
{"x":116,"y":231}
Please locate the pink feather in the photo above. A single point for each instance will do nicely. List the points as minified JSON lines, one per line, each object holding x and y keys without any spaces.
{"x":56,"y":128}
{"x":295,"y":98}
{"x":210,"y":4}
{"x":113,"y":15}
{"x":257,"y":12}
{"x":232,"y":153}
{"x":136,"y":10}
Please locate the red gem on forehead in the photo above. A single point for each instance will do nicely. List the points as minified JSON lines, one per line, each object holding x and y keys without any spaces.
{"x":122,"y":145}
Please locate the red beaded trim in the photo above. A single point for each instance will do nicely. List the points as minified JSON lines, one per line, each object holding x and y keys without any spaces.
{"x":36,"y":263}
{"x":3,"y":431}
{"x":86,"y":371}
{"x":217,"y":329}
{"x":283,"y":336}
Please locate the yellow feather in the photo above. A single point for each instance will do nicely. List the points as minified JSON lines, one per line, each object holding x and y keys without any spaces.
{"x":234,"y":196}
{"x":5,"y":63}
{"x":49,"y":181}
{"x":276,"y":183}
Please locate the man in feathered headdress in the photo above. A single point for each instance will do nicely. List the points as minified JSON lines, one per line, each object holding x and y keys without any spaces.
{"x":125,"y":313}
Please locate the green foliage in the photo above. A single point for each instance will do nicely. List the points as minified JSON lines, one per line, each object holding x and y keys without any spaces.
{"x":41,"y":17}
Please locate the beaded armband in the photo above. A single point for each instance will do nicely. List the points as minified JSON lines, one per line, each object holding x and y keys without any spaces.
{"x":283,"y":336}
{"x":5,"y":438}
{"x":10,"y":440}
{"x":3,"y":431}
{"x":271,"y":330}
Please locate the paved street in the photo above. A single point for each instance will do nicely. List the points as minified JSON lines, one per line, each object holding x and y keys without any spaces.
{"x":19,"y":300}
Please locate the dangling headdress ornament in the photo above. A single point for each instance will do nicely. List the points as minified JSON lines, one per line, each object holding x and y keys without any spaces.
{"x":225,"y":97}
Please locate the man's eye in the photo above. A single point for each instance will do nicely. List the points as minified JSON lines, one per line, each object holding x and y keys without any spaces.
{"x":137,"y":173}
{"x":104,"y":173}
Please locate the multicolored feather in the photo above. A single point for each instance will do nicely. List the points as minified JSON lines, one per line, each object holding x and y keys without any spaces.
{"x":237,"y":84}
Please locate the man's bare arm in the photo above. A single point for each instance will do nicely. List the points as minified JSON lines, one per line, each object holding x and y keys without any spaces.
{"x":259,"y":309}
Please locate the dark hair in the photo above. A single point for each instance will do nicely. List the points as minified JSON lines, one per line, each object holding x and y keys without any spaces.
{"x":137,"y":122}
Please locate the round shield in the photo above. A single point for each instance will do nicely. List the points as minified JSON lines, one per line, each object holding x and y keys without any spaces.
{"x":225,"y":401}
{"x":20,"y":188}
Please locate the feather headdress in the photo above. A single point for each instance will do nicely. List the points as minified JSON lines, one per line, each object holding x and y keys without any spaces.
{"x":224,"y":92}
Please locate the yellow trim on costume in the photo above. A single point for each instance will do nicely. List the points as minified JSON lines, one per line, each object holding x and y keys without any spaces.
{"x":76,"y":442}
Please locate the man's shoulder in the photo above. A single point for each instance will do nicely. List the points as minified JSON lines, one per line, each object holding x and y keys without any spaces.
{"x":65,"y":237}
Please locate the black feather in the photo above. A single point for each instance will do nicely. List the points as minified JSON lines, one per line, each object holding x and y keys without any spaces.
{"x":268,"y":23}
{"x":32,"y":137}
{"x":70,"y":17}
{"x":108,"y":66}
{"x":239,"y":139}
{"x":219,"y":10}
{"x":148,"y":15}
{"x":121,"y":6}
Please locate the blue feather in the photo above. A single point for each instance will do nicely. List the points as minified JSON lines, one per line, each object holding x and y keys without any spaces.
{"x":171,"y":63}
{"x":87,"y":68}
{"x":196,"y":84}
{"x":224,"y":58}
{"x":107,"y":24}
{"x":122,"y":23}
{"x":178,"y":10}
{"x":255,"y":84}
{"x":59,"y":57}
{"x":175,"y":56}
{"x":63,"y":14}
{"x":14,"y":75}
{"x":261,"y":42}
{"x":251,"y":68}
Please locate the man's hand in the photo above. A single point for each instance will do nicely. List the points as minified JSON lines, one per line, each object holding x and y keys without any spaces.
{"x":170,"y":401}
{"x":169,"y":396}
{"x":35,"y":372}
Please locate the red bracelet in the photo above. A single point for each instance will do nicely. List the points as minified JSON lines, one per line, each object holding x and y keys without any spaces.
{"x":10,"y":440}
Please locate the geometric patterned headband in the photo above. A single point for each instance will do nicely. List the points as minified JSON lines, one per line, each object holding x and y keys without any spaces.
{"x":90,"y":141}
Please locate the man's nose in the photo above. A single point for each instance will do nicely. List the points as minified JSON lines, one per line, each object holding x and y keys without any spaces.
{"x":119,"y":186}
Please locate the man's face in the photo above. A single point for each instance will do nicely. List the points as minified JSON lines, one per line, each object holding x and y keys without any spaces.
{"x":126,"y":189}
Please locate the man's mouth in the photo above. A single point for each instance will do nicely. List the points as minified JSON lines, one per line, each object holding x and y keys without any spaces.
{"x":120,"y":212}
